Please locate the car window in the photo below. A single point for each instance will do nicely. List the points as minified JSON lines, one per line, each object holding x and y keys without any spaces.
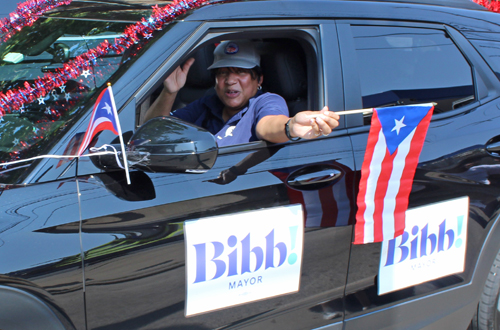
{"x":29,"y":130}
{"x":401,"y":65}
{"x":490,"y":50}
{"x":283,"y":65}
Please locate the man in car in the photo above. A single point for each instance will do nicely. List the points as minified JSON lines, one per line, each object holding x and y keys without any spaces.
{"x":240,"y":112}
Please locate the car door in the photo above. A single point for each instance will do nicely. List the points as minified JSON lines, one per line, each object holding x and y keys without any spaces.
{"x":134,"y":236}
{"x":394,"y":63}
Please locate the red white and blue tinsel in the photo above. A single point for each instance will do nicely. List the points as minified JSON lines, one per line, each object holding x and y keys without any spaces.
{"x":16,"y":98}
{"x":492,"y":5}
{"x":25,"y":15}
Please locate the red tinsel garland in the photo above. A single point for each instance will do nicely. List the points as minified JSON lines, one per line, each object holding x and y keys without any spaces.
{"x":15,"y":99}
{"x":492,"y":5}
{"x":25,"y":15}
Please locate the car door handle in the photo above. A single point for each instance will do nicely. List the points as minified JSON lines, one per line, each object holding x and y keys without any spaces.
{"x":314,"y":177}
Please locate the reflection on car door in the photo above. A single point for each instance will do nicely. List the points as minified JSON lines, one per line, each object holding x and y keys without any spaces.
{"x":134,"y":243}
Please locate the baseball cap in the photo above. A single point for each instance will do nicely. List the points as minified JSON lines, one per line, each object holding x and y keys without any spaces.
{"x":235,"y":54}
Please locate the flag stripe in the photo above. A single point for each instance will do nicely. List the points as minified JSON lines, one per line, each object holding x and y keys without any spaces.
{"x":382,"y":184}
{"x":364,"y":218}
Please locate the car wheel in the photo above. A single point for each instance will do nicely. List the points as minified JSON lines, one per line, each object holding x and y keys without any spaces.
{"x":488,"y":315}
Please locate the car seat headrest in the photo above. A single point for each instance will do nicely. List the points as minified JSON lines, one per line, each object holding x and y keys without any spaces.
{"x":284,"y":72}
{"x":199,"y":76}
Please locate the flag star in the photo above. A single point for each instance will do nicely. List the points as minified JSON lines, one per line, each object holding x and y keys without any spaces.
{"x":107,"y":107}
{"x":148,"y":36}
{"x":86,"y":73}
{"x":16,"y":141}
{"x":41,"y":100}
{"x":67,"y":96}
{"x":63,"y":88}
{"x":398,"y":124}
{"x":48,"y":111}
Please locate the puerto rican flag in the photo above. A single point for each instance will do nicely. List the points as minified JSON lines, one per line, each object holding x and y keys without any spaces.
{"x":395,"y":141}
{"x":104,"y":117}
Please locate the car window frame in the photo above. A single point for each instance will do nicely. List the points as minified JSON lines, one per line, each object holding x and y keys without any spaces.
{"x":484,"y":82}
{"x":312,"y":32}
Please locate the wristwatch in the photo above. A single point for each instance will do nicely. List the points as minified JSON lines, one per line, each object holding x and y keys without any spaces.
{"x":287,"y":132}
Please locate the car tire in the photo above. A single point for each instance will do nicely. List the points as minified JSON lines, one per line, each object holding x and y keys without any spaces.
{"x":488,"y":314}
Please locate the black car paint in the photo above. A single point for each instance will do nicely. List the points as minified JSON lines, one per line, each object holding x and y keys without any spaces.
{"x":134,"y":252}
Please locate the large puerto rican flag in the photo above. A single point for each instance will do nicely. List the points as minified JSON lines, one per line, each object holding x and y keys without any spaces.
{"x":395,"y":140}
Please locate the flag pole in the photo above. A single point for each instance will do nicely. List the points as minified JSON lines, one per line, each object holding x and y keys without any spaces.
{"x":119,"y":133}
{"x":370,"y":110}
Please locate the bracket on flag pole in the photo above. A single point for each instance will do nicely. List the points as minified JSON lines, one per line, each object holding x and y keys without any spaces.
{"x":366,"y":111}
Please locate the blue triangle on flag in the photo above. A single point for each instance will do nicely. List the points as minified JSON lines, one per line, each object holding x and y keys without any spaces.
{"x":398,"y":122}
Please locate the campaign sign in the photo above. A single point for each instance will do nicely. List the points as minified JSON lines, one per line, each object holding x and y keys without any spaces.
{"x":242,"y":257}
{"x":432,"y":246}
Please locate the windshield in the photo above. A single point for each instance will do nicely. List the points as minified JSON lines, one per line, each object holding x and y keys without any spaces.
{"x":27,"y":131}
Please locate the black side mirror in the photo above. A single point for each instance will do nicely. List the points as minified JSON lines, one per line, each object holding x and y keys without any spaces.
{"x":61,"y":53}
{"x":166,"y":144}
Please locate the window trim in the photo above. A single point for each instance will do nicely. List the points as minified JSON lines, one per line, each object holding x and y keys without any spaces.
{"x":481,"y":80}
{"x":307,"y":32}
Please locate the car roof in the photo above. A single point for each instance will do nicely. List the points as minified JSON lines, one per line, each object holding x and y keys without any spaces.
{"x":133,"y":10}
{"x":466,"y":4}
{"x":143,"y":4}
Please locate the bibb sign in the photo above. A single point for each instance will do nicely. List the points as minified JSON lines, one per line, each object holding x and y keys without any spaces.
{"x":432,"y":246}
{"x":243,"y":257}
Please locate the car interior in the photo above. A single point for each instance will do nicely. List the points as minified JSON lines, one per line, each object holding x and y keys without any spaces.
{"x":283,"y":64}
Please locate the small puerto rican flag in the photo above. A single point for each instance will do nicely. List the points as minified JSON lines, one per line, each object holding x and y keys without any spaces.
{"x":104,"y":117}
{"x":395,"y":141}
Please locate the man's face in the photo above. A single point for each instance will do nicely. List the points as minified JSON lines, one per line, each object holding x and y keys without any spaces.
{"x":235,"y":86}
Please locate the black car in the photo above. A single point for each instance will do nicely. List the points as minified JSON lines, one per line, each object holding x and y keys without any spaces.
{"x":178,"y":247}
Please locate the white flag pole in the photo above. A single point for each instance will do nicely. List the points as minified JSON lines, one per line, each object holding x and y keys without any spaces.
{"x":370,"y":110}
{"x":352,"y":112}
{"x":113,"y":105}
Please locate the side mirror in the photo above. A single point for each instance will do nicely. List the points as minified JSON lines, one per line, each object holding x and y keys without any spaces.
{"x":61,"y":53}
{"x":166,"y":144}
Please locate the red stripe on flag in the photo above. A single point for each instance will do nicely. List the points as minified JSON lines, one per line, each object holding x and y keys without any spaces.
{"x":359,"y":232}
{"x":380,"y":194}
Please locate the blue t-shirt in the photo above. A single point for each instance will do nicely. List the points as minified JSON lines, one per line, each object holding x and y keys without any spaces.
{"x":206,"y":112}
